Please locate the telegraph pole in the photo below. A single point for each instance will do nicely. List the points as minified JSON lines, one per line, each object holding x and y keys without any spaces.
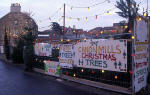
{"x":64,"y":18}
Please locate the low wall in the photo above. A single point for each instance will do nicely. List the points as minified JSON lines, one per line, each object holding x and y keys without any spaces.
{"x":3,"y":58}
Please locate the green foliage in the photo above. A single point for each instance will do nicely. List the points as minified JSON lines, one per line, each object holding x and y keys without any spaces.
{"x":28,"y":51}
{"x":28,"y":28}
{"x":55,"y":54}
{"x":18,"y":52}
{"x":57,"y":28}
{"x":122,"y":5}
{"x":128,"y":10}
{"x":6,"y":45}
{"x":29,"y":38}
{"x":148,"y":78}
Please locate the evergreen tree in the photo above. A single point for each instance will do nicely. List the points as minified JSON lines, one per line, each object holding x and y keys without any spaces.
{"x":28,"y":52}
{"x":18,"y":51}
{"x":57,"y":28}
{"x":128,"y":10}
{"x":6,"y":45}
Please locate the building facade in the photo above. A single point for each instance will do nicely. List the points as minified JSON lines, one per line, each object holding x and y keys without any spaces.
{"x":14,"y":24}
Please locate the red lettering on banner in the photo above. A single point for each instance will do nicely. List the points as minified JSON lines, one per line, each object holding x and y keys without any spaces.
{"x":105,"y":57}
{"x":91,"y":56}
{"x":138,"y":65}
{"x":113,"y":58}
{"x":52,"y":70}
{"x":99,"y":56}
{"x":96,"y":56}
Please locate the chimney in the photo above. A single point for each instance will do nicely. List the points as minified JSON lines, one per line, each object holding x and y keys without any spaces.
{"x":15,"y":7}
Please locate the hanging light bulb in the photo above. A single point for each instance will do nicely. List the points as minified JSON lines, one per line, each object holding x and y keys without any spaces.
{"x":74,"y":31}
{"x":145,"y":14}
{"x":77,"y":41}
{"x":103,"y":71}
{"x":69,"y":18}
{"x":132,"y":54}
{"x":71,"y":8}
{"x":92,"y":72}
{"x":139,"y":19}
{"x":40,"y":21}
{"x":86,"y":19}
{"x":84,"y":39}
{"x":113,"y":31}
{"x":88,"y":8}
{"x":61,"y":40}
{"x":67,"y":73}
{"x":116,"y":77}
{"x":44,"y":61}
{"x":60,"y":9}
{"x":49,"y":18}
{"x":131,"y":72}
{"x":133,"y":37}
{"x":68,"y":40}
{"x":82,"y":70}
{"x":90,"y":33}
{"x":74,"y":75}
{"x":126,"y":27}
{"x":96,"y":17}
{"x":130,"y":31}
{"x":108,"y":13}
{"x":132,"y":5}
{"x":58,"y":21}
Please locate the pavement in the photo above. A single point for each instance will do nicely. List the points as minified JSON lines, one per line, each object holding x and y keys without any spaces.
{"x":14,"y":81}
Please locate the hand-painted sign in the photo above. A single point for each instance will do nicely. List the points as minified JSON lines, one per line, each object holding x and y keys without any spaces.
{"x":140,"y":67}
{"x":103,"y":54}
{"x":66,"y":55}
{"x":52,"y":68}
{"x":1,"y":49}
{"x":141,"y":58}
{"x":43,"y":49}
{"x":141,"y":32}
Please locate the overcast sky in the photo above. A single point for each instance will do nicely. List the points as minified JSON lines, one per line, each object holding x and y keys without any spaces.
{"x":42,"y":10}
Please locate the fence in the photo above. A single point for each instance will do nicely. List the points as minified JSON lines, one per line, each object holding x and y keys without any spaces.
{"x":124,"y":70}
{"x":115,"y":78}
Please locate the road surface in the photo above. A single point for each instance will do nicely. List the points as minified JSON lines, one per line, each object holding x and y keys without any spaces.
{"x":14,"y":81}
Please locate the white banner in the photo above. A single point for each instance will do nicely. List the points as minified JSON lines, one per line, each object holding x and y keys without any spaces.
{"x":141,"y":58}
{"x":1,"y":49}
{"x":141,"y":32}
{"x":66,"y":54}
{"x":52,"y":68}
{"x":141,"y":67}
{"x":43,"y":49}
{"x":103,"y":54}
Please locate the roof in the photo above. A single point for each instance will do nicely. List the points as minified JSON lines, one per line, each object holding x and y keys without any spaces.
{"x":119,"y":24}
{"x":108,"y":28}
{"x":22,"y":19}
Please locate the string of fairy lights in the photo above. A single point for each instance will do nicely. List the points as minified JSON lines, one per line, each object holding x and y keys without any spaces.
{"x":107,"y":12}
{"x":85,"y":18}
{"x":79,"y":7}
{"x":88,"y":7}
